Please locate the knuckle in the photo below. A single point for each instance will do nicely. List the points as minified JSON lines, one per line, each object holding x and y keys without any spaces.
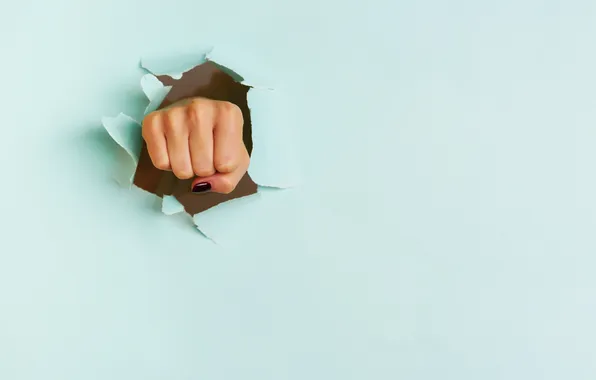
{"x":230,"y":108}
{"x":194,"y":115}
{"x":161,"y":163}
{"x":150,"y":124}
{"x":171,"y":128}
{"x":204,"y":171}
{"x":172,"y":123}
{"x":199,"y":112}
{"x":225,"y":166}
{"x":244,"y":160}
{"x":151,"y":118}
{"x":226,"y":186}
{"x":183,"y":173}
{"x":198,"y":103}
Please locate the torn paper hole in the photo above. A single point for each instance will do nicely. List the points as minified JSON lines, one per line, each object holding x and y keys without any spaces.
{"x":209,"y":81}
{"x":208,"y":76}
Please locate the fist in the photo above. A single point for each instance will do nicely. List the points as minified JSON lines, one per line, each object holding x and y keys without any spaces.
{"x":199,"y":138}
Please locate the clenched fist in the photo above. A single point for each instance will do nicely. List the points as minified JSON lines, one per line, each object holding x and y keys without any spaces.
{"x":199,"y":137}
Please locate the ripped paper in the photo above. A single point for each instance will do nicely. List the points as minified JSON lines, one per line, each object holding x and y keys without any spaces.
{"x":206,"y":80}
{"x":126,"y":132}
{"x":154,"y":90}
{"x":171,"y":206}
{"x":208,"y":75}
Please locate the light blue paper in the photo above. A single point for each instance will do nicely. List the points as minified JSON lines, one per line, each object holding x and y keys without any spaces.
{"x":170,"y":205}
{"x":254,"y":73}
{"x":445,"y":228}
{"x":214,"y":222}
{"x":155,"y":91}
{"x":174,"y":65}
{"x":274,"y":159}
{"x":126,"y":132}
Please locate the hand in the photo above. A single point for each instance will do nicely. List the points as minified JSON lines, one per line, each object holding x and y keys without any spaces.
{"x":199,"y":137}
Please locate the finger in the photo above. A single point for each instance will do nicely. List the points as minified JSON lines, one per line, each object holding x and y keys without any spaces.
{"x":223,"y":183}
{"x":200,"y":119}
{"x":154,"y":136}
{"x":177,"y":142}
{"x":227,"y":138}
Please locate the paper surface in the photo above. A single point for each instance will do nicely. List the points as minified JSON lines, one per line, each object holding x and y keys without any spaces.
{"x":241,"y":67}
{"x":126,"y":132}
{"x":174,"y":66}
{"x":274,"y":158}
{"x":155,"y":91}
{"x":170,"y":205}
{"x":214,"y":222}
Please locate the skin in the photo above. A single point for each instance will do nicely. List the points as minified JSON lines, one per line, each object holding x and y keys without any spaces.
{"x":199,"y":138}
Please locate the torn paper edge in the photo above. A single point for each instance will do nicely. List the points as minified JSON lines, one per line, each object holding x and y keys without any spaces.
{"x":126,"y":132}
{"x":132,"y":141}
{"x":170,"y":205}
{"x":155,"y":91}
{"x":223,"y":59}
{"x":272,"y":149}
{"x":200,"y":219}
{"x":175,"y":69}
{"x":220,"y":58}
{"x":250,"y":102}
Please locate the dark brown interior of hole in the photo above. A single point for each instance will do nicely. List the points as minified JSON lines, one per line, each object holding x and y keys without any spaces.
{"x":208,"y":81}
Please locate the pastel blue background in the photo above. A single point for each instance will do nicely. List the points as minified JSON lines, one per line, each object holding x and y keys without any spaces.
{"x":444,"y":229}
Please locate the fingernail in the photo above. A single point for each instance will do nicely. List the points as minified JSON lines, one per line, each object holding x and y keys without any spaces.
{"x":201,"y":187}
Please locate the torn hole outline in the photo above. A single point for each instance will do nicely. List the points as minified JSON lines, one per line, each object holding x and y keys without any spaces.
{"x":156,"y":92}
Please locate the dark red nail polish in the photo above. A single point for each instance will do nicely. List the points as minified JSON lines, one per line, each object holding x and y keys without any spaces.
{"x":201,"y":187}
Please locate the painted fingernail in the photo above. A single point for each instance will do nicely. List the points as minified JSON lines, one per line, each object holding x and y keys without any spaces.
{"x":201,"y":187}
